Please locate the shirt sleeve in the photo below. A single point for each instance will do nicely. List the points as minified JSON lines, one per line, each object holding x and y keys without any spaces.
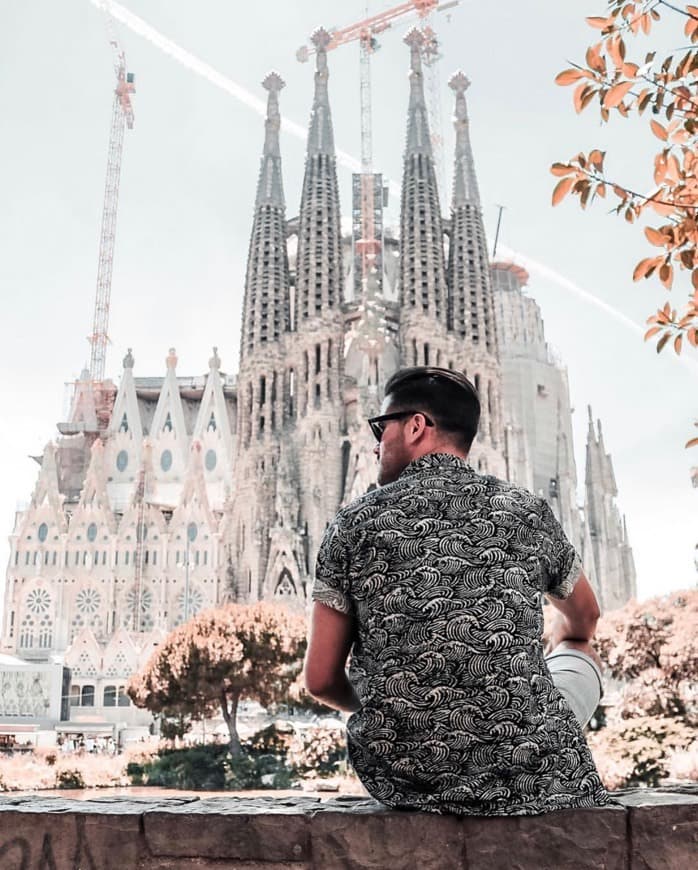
{"x":561,"y":563}
{"x":331,"y":586}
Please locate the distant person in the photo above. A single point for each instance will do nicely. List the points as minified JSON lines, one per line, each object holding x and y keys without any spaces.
{"x":434,"y":584}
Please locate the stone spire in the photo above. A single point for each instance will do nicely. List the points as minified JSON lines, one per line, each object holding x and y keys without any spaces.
{"x":266,"y":312}
{"x":612,"y":556}
{"x":472,"y":305}
{"x":319,"y":274}
{"x":422,"y":268}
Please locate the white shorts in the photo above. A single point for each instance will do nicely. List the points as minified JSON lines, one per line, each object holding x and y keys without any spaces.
{"x":578,"y":679}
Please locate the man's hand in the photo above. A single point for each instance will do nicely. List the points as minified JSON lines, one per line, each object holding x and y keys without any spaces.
{"x":331,"y":637}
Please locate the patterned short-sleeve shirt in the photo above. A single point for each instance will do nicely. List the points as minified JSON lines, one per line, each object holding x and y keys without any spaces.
{"x":444,"y":571}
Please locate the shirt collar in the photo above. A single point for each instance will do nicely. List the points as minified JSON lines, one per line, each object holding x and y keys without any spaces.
{"x":435,"y":460}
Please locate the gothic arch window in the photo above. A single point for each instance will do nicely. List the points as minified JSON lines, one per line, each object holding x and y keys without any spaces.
{"x":26,"y":633}
{"x":285,"y":587}
{"x":87,"y":696}
{"x":167,"y":425}
{"x":124,"y":424}
{"x":45,"y":633}
{"x":110,"y":696}
{"x":211,"y":423}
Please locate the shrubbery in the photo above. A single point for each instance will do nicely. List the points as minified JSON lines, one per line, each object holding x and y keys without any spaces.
{"x":275,"y":757}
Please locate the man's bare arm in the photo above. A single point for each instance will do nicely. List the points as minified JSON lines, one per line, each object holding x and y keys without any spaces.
{"x":331,"y":637}
{"x":577,"y":614}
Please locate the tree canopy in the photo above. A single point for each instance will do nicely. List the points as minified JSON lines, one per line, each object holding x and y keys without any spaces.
{"x":236,"y":651}
{"x":661,"y":88}
{"x":651,"y":649}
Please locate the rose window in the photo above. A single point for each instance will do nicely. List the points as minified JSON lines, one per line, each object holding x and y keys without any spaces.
{"x":38,"y":601}
{"x":88,"y":601}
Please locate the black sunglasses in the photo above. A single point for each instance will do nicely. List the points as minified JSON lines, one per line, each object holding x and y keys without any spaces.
{"x":377,"y":424}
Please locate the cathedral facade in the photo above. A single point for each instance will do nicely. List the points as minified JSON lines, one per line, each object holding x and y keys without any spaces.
{"x":171,"y":494}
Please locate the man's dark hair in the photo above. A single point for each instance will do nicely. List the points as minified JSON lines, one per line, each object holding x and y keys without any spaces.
{"x":448,"y":397}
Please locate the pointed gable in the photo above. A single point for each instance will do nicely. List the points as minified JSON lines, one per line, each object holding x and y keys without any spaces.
{"x":93,"y":508}
{"x":126,"y":419}
{"x":168,"y":429}
{"x":45,"y":518}
{"x":194,"y":503}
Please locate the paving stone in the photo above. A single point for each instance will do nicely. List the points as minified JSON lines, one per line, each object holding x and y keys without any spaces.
{"x":592,"y":839}
{"x":64,"y":840}
{"x":386,"y":841}
{"x":663,"y":831}
{"x":261,"y":829}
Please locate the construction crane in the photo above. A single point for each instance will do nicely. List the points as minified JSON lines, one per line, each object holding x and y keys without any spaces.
{"x":122,"y":117}
{"x":367,"y":246}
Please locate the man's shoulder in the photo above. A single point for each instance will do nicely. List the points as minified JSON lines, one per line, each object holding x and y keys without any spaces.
{"x":510,"y":490}
{"x":365,"y":504}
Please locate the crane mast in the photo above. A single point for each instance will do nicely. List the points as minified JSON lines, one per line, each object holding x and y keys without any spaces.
{"x":122,"y":117}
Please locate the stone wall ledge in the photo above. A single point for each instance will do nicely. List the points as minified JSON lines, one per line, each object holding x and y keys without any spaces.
{"x":650,"y":830}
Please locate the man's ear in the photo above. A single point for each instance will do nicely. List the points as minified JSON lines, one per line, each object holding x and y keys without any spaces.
{"x":416,"y":429}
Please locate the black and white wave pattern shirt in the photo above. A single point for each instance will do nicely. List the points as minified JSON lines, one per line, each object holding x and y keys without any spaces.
{"x":443,"y":571}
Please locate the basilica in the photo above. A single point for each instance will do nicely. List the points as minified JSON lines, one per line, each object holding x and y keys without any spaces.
{"x":167,"y":494}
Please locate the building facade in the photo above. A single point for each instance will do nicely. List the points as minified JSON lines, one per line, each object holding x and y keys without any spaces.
{"x":171,"y":494}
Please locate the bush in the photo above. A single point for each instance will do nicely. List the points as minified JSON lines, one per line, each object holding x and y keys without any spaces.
{"x":69,"y":778}
{"x":200,"y":768}
{"x":318,"y":750}
{"x":639,"y":751}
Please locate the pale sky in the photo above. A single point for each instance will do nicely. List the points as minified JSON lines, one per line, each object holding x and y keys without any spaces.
{"x":187,"y":191}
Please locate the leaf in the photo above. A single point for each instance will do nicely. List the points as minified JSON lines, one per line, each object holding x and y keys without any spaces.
{"x":652,"y":332}
{"x":694,"y":279}
{"x":658,"y":130}
{"x":677,"y":344}
{"x":644,"y":268}
{"x":580,"y":92}
{"x":666,"y":275}
{"x":596,"y":158}
{"x":692,"y":443}
{"x":594,"y":59}
{"x":561,"y":169}
{"x":562,"y":188}
{"x":662,"y":341}
{"x":654,"y":237}
{"x":692,"y":336}
{"x":598,"y":22}
{"x":616,"y":94}
{"x":569,"y":77}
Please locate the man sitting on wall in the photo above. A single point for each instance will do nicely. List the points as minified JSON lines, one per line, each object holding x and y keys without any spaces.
{"x":434,"y":583}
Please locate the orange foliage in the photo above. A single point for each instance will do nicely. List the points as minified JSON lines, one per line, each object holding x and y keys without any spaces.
{"x":667,"y":87}
{"x":652,"y":647}
{"x":218,"y":657}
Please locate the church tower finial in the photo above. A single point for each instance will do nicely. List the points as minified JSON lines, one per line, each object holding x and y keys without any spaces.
{"x":270,"y":188}
{"x":464,"y":181}
{"x":319,"y":259}
{"x":418,"y":137}
{"x":266,"y":313}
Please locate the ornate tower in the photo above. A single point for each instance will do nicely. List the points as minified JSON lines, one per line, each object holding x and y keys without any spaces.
{"x":471,"y":315}
{"x":423,"y":289}
{"x":319,"y":262}
{"x":318,"y":322}
{"x":263,"y":371}
{"x":611,"y":556}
